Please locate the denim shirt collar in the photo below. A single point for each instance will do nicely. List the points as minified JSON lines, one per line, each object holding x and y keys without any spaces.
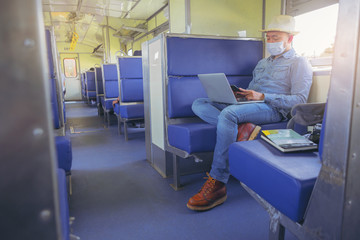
{"x":289,"y":54}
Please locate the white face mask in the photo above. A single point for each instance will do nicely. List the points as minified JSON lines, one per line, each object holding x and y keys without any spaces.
{"x":275,"y":48}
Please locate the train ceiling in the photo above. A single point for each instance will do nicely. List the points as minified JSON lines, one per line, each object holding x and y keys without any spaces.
{"x":87,"y":17}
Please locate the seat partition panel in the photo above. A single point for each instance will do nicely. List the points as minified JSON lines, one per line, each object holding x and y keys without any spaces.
{"x":192,"y":56}
{"x":90,"y":81}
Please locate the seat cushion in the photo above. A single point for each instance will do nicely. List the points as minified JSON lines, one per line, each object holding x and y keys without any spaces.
{"x":132,"y":111}
{"x":64,"y":206}
{"x":201,"y":137}
{"x":192,"y":137}
{"x":285,"y":180}
{"x":91,"y":94}
{"x":64,"y":152}
{"x":107,"y":104}
{"x":117,"y":109}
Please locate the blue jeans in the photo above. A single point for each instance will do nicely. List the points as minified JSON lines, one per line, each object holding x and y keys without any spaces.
{"x":227,"y":117}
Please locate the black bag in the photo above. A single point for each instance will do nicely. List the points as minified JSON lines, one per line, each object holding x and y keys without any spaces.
{"x":306,"y":114}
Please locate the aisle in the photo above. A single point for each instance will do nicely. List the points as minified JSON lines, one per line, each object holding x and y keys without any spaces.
{"x":118,"y":195}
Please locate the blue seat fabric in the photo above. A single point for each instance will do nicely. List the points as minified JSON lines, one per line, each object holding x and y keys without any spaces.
{"x":188,"y":57}
{"x":111,"y":90}
{"x":117,"y":109}
{"x":182,"y":91}
{"x":54,"y":104}
{"x":99,"y":80}
{"x":201,"y":137}
{"x":64,"y":152}
{"x":91,"y":94}
{"x":53,"y":94}
{"x":90,"y":81}
{"x":284,"y":180}
{"x":64,"y":205}
{"x":192,"y":56}
{"x":130,"y":68}
{"x":132,"y":111}
{"x":132,"y":90}
{"x":106,"y":104}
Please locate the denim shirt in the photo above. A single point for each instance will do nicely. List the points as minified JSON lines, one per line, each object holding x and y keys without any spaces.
{"x":284,"y":81}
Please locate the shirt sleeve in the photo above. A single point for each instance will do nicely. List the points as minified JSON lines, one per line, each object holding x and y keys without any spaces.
{"x":301,"y":80}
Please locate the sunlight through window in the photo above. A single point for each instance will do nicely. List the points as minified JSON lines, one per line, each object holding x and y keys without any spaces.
{"x":317,"y":32}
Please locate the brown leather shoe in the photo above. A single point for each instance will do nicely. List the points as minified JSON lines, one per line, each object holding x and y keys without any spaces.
{"x":212,"y":193}
{"x":247,"y":132}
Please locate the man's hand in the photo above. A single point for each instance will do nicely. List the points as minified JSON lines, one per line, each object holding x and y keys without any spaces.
{"x":251,"y":94}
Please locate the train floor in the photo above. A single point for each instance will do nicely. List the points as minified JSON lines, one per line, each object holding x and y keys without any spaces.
{"x":117,"y":194}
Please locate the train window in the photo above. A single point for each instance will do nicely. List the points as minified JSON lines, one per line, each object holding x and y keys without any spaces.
{"x":70,"y":67}
{"x":317,"y":35}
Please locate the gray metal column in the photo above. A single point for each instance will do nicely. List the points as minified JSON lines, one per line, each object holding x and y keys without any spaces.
{"x":146,"y":89}
{"x":29,"y":204}
{"x":334,"y":209}
{"x":351,"y":215}
{"x":187,"y":17}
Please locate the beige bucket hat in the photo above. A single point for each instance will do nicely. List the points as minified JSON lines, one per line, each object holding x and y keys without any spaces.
{"x":282,"y":23}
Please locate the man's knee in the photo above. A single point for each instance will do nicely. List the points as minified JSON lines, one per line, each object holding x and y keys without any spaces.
{"x":197,"y":104}
{"x":227,"y":114}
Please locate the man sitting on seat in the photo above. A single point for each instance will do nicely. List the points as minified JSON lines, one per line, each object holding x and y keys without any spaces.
{"x":281,"y":80}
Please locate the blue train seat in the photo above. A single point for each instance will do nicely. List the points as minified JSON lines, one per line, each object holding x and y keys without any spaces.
{"x":130,"y":106}
{"x":83,"y":86}
{"x":64,"y":205}
{"x":99,"y":89}
{"x":64,"y":152}
{"x":186,"y":58}
{"x":111,"y":89}
{"x":90,"y":85}
{"x":284,"y":180}
{"x":187,"y":135}
{"x":53,"y":88}
{"x":62,"y":143}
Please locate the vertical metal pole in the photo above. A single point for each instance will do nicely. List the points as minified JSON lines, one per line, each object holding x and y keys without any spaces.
{"x":176,"y":173}
{"x":333,"y":203}
{"x":283,"y":7}
{"x":187,"y":17}
{"x":107,"y":43}
{"x":277,"y":231}
{"x":146,"y":92}
{"x":351,"y":216}
{"x":28,"y":179}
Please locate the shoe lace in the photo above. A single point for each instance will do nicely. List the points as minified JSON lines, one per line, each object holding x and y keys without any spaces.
{"x":208,"y":185}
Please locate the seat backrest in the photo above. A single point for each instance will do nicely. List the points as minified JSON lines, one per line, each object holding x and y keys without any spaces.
{"x":322,"y":133}
{"x":132,"y":90}
{"x":182,"y":91}
{"x":130,"y":67}
{"x":99,"y":80}
{"x":110,"y":78}
{"x":90,"y":81}
{"x":52,"y":79}
{"x":188,"y":57}
{"x":131,"y":79}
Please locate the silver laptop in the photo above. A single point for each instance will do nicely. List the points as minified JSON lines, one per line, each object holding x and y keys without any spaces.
{"x":218,"y":89}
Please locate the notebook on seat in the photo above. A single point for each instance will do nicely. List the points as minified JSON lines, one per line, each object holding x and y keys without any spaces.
{"x":218,"y":89}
